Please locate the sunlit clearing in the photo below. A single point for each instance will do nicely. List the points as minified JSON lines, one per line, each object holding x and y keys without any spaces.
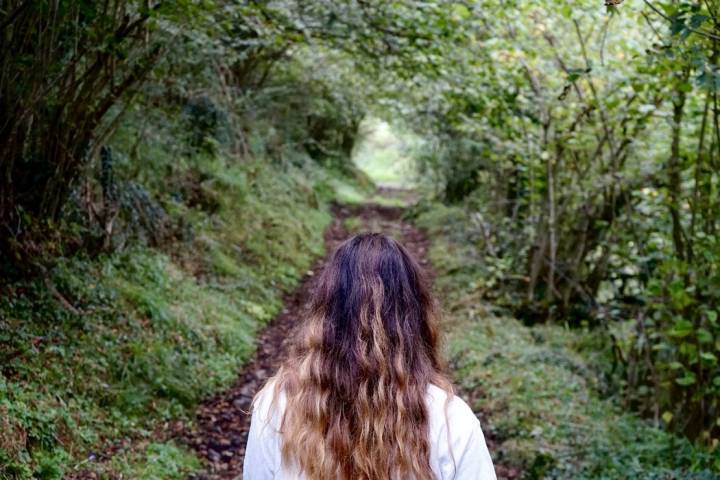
{"x":387,"y":154}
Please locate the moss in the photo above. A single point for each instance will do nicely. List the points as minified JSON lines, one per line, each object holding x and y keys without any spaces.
{"x":158,"y":461}
{"x":136,"y":338}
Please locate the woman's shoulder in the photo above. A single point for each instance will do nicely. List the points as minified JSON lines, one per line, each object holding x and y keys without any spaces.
{"x":269,"y":402}
{"x":457,"y":438}
{"x":457,"y":408}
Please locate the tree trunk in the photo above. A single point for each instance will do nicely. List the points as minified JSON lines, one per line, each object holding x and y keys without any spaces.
{"x":674,"y":168}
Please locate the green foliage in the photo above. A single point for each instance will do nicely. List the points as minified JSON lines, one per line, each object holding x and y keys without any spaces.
{"x":681,"y":335}
{"x":65,"y":65}
{"x":580,"y":145}
{"x":194,"y":148}
{"x":108,"y":347}
{"x":538,"y":387}
{"x":73,"y":69}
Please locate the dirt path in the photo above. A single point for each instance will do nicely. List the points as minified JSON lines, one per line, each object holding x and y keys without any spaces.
{"x":220,"y":432}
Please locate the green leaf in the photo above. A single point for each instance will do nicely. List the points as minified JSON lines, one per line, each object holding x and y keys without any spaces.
{"x":687,"y":380}
{"x":709,"y":357}
{"x":697,"y":20}
{"x":677,"y":26}
{"x":461,"y":11}
{"x":689,"y":349}
{"x":682,"y":324}
{"x":682,"y":328}
{"x":685,"y":87}
{"x":704,"y":336}
{"x":667,"y":417}
{"x":669,"y":9}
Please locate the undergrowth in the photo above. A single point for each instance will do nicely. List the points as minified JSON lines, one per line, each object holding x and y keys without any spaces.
{"x":537,"y":386}
{"x":108,"y":350}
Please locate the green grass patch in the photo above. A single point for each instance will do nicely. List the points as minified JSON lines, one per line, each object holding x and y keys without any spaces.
{"x":354,"y":224}
{"x":158,"y":461}
{"x":348,"y":192}
{"x":151,"y":331}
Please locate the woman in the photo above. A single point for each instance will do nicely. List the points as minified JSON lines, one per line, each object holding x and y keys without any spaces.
{"x":363,"y":395}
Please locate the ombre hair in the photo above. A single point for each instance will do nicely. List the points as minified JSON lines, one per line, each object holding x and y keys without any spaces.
{"x":357,"y":377}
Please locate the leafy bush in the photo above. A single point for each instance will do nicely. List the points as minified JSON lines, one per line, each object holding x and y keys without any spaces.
{"x":538,"y":389}
{"x":671,"y":363}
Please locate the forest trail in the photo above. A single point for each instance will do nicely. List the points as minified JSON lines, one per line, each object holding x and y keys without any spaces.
{"x":219,"y":434}
{"x":168,"y":173}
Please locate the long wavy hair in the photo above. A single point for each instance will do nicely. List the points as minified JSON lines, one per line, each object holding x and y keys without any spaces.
{"x":356,"y":379}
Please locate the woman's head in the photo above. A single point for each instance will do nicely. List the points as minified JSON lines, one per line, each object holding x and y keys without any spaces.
{"x":357,"y":378}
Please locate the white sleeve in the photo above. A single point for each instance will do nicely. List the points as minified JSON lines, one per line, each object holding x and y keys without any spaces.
{"x":262,"y":454}
{"x":465,"y":454}
{"x":472,"y":455}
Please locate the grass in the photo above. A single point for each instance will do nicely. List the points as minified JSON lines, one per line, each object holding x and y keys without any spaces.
{"x":152,"y":331}
{"x":536,"y":386}
{"x":354,"y":224}
{"x":158,"y":461}
{"x":350,"y":194}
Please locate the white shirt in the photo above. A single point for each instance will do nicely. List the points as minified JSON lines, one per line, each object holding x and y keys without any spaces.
{"x":466,"y":446}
